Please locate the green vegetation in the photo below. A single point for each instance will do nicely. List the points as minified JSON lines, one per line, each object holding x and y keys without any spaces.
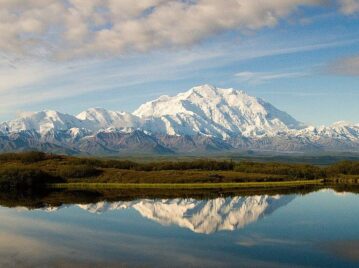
{"x":231,"y":185}
{"x":36,"y":169}
{"x":13,"y":177}
{"x":344,"y":167}
{"x":294,"y":171}
{"x":200,"y":164}
{"x":77,"y":171}
{"x":26,"y":157}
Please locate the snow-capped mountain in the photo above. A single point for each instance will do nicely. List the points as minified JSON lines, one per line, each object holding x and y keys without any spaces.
{"x":216,"y":112}
{"x":42,"y":122}
{"x":98,"y":118}
{"x":202,"y":119}
{"x":200,"y":216}
{"x":339,"y":130}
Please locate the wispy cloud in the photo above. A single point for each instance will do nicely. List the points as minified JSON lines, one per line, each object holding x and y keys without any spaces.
{"x":258,"y":240}
{"x":27,"y":82}
{"x":348,"y":66}
{"x":285,"y":48}
{"x":349,"y":6}
{"x":31,"y":82}
{"x":27,"y":73}
{"x":262,"y":77}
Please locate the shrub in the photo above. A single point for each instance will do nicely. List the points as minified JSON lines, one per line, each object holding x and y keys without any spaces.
{"x":26,"y":157}
{"x":344,"y":167}
{"x":85,"y":162}
{"x":156,"y":166}
{"x":32,"y":157}
{"x":298,"y":171}
{"x":120,"y":164}
{"x":23,"y":177}
{"x":187,"y":165}
{"x":77,"y":171}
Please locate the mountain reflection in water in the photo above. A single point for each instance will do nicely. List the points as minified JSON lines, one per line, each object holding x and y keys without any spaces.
{"x":317,"y":229}
{"x":199,"y":216}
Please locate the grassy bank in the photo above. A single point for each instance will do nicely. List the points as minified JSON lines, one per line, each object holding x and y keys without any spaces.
{"x":35,"y":169}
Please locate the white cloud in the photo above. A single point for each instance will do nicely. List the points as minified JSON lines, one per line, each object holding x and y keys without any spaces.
{"x":349,"y":6}
{"x":77,"y":28}
{"x":32,"y":84}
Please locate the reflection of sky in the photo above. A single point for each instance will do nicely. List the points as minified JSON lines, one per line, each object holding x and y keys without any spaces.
{"x":308,"y":231}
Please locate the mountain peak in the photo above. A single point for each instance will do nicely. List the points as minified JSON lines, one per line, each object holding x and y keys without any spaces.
{"x":211,"y":90}
{"x":42,"y":122}
{"x":342,"y":124}
{"x":217,"y":112}
{"x":205,"y":89}
{"x":41,"y":114}
{"x":99,"y":118}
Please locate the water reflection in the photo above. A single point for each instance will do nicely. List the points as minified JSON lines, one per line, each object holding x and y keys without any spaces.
{"x":200,"y":216}
{"x":317,"y":229}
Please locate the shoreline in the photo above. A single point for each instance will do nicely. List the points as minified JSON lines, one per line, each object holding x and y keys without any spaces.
{"x":231,"y":185}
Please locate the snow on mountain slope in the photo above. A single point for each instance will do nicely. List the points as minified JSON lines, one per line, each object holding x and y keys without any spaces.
{"x":339,"y":130}
{"x":99,"y":118}
{"x":42,"y":122}
{"x":204,"y":118}
{"x":200,"y":216}
{"x":92,"y":119}
{"x":216,"y":112}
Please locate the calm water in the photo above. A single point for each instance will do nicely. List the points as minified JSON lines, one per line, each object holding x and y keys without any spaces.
{"x":316,"y":229}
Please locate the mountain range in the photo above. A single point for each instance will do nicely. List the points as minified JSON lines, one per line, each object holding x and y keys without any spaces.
{"x":201,"y":120}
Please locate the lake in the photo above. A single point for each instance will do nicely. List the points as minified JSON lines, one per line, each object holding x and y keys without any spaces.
{"x":318,"y":229}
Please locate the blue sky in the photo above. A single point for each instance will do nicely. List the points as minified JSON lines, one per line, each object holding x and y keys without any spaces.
{"x":305,"y":62}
